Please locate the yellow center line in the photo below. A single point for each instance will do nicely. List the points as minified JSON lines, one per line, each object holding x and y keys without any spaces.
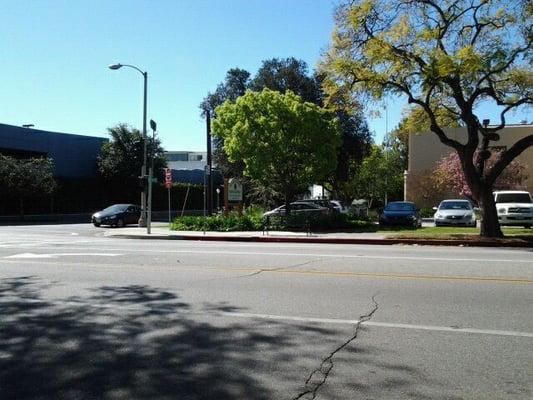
{"x":376,"y":275}
{"x":283,"y":270}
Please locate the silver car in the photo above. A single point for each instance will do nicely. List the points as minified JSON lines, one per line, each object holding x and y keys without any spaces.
{"x":298,"y":207}
{"x":455,"y":212}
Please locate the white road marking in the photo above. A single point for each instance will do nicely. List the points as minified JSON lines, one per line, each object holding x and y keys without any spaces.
{"x":337,"y":321}
{"x":530,"y":261}
{"x":56,"y":255}
{"x":382,"y":324}
{"x":309,"y":254}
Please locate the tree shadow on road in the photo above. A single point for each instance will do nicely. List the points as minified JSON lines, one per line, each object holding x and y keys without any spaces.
{"x":146,"y":348}
{"x":142,"y":342}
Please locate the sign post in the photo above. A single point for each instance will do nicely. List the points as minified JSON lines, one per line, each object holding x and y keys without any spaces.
{"x":235,"y":193}
{"x":234,"y":190}
{"x":168,"y":185}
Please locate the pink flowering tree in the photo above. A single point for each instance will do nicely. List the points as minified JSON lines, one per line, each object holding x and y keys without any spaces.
{"x":449,"y":173}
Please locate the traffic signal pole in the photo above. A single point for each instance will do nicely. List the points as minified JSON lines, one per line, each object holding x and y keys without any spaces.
{"x":209,"y":165}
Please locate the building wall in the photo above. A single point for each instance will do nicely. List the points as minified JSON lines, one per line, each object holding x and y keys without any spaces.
{"x":425,"y":151}
{"x":186,"y":160}
{"x":74,"y":155}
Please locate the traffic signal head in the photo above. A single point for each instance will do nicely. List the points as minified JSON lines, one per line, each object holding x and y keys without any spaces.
{"x":143,"y":181}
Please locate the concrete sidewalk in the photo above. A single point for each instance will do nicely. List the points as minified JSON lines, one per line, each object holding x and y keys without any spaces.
{"x":162,"y":232}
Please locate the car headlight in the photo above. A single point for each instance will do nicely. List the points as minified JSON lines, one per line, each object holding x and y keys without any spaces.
{"x":112,"y":216}
{"x":502,"y":210}
{"x":438,"y":216}
{"x":469,"y":216}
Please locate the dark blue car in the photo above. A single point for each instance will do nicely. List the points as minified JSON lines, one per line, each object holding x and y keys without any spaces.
{"x":117,"y":215}
{"x":401,"y":213}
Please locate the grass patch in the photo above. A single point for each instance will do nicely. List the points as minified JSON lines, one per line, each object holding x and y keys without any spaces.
{"x":450,"y":232}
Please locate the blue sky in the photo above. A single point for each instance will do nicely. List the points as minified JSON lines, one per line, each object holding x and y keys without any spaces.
{"x":54,"y":56}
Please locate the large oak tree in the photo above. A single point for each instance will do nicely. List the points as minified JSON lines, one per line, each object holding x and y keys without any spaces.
{"x":453,"y":54}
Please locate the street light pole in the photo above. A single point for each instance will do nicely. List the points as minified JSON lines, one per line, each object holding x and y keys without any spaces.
{"x":142,"y":219}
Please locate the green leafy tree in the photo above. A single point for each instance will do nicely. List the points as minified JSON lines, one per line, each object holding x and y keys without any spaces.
{"x":356,"y":143}
{"x":26,"y":179}
{"x":283,"y":74}
{"x":287,"y":74}
{"x":378,"y":177}
{"x":441,"y":54}
{"x":121,"y":158}
{"x":235,"y":85}
{"x":284,"y":143}
{"x":416,"y":121}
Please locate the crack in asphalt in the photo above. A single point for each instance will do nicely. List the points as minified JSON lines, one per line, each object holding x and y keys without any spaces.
{"x":259,"y":271}
{"x":280,"y":268}
{"x":322,"y":372}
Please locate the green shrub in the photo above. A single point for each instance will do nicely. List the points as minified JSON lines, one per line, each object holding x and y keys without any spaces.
{"x":223,"y":223}
{"x":317,"y":222}
{"x":252,"y":220}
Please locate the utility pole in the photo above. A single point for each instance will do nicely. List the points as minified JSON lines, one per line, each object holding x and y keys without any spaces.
{"x":209,"y":165}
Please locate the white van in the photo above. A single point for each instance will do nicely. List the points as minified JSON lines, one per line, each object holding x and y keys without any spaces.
{"x":515,"y":207}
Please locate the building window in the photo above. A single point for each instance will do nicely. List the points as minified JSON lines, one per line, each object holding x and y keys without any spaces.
{"x":177,"y":157}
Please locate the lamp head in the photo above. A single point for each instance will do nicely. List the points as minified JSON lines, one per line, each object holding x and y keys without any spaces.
{"x":115,"y":66}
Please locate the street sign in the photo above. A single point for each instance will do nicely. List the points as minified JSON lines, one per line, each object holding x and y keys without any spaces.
{"x":168,"y":178}
{"x":234,"y":190}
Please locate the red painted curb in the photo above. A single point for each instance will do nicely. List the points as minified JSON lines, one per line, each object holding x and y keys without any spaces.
{"x":285,"y":239}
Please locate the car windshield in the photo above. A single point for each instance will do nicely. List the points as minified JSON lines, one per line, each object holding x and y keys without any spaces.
{"x":399,"y":207}
{"x":116,"y":208}
{"x":455,"y":205}
{"x":513,"y":198}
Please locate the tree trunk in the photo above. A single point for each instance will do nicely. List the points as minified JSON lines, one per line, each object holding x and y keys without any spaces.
{"x":287,"y":203}
{"x":490,"y":226}
{"x":21,"y":207}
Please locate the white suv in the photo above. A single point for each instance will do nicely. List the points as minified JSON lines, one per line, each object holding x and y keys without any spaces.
{"x":515,"y":207}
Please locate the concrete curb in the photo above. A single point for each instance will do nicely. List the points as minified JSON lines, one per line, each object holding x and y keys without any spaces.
{"x":330,"y":240}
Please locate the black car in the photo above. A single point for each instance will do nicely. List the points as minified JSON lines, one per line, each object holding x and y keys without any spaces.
{"x":117,"y":215}
{"x":401,"y":213}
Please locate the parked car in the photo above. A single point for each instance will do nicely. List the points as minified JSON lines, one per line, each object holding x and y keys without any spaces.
{"x":400,"y":213}
{"x":321,"y":203}
{"x":455,"y":212}
{"x":117,"y":215}
{"x":298,"y":207}
{"x":339,"y":206}
{"x":514,"y":207}
{"x":359,"y":208}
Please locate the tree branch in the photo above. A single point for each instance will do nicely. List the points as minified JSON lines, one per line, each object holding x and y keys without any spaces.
{"x":508,"y":156}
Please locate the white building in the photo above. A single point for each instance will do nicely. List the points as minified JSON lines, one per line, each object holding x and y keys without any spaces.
{"x":186,"y":160}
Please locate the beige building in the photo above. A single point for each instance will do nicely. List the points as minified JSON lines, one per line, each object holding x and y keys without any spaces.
{"x":425,"y":151}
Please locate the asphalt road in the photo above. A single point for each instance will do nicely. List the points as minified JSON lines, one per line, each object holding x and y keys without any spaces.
{"x":84,"y":316}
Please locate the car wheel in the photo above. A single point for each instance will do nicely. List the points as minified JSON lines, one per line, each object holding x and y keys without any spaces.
{"x":120,"y":223}
{"x":97,"y":224}
{"x":437,"y":224}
